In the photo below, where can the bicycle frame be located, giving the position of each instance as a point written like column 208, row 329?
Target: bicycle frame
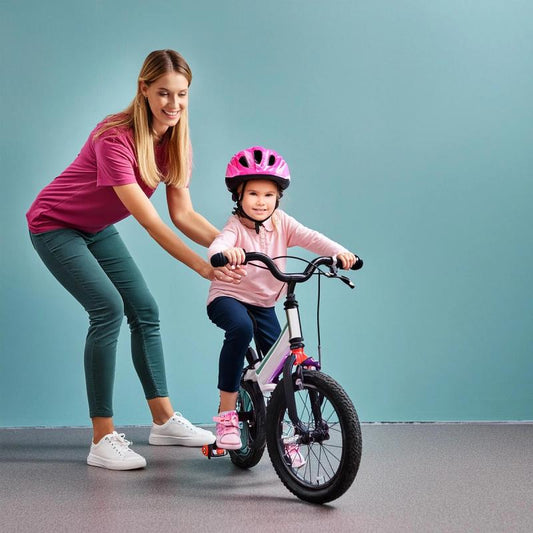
column 266, row 371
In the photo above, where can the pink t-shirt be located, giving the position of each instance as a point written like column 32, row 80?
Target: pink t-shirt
column 260, row 287
column 82, row 197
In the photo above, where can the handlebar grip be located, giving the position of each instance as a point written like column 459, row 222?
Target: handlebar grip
column 219, row 260
column 356, row 266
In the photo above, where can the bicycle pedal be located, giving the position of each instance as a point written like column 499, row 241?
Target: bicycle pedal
column 210, row 450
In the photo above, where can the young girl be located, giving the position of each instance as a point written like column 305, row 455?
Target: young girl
column 256, row 177
column 71, row 227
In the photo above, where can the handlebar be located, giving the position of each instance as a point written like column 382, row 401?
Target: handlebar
column 219, row 260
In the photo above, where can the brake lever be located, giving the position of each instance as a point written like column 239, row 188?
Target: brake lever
column 347, row 280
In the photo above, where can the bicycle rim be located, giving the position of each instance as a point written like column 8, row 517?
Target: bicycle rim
column 330, row 443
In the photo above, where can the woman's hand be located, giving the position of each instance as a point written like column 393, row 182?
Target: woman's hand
column 234, row 270
column 347, row 259
column 228, row 274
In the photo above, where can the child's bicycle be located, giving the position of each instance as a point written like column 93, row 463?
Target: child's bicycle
column 310, row 425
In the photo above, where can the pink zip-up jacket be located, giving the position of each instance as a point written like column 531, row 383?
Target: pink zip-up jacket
column 259, row 287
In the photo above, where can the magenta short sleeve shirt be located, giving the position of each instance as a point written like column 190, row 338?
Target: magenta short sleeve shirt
column 82, row 197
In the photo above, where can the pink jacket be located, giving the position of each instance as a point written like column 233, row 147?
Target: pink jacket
column 259, row 287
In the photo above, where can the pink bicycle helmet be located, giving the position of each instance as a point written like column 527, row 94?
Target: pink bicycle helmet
column 256, row 163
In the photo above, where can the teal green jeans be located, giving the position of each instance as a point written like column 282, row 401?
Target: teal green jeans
column 97, row 269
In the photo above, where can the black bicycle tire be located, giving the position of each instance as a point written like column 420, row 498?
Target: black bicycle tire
column 253, row 432
column 351, row 440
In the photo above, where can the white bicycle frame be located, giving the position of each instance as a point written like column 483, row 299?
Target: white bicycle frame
column 266, row 371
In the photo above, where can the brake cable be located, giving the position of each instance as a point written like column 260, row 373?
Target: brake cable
column 319, row 273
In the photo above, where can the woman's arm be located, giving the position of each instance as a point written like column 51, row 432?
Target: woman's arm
column 186, row 219
column 145, row 213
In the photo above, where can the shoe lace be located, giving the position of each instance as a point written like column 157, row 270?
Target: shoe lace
column 119, row 442
column 227, row 419
column 180, row 419
column 293, row 451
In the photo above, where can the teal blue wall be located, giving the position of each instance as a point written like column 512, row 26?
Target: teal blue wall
column 408, row 126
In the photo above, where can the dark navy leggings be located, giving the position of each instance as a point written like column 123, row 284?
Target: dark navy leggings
column 97, row 269
column 234, row 318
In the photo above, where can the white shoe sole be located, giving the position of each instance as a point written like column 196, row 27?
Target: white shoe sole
column 165, row 440
column 94, row 460
column 229, row 446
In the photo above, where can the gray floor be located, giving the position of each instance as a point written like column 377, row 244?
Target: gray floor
column 413, row 478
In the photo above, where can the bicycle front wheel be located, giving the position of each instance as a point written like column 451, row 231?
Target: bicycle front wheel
column 317, row 459
column 251, row 411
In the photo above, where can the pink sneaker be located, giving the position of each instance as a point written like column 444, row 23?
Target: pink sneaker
column 295, row 456
column 228, row 432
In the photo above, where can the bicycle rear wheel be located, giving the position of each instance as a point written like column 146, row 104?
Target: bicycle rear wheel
column 328, row 439
column 251, row 411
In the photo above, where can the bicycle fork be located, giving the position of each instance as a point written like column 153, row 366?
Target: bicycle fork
column 298, row 357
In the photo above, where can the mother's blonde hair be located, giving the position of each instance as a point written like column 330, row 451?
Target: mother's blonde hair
column 138, row 117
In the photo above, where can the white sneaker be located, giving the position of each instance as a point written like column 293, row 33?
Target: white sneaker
column 113, row 452
column 179, row 431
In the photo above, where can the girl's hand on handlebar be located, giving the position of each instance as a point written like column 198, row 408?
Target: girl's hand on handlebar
column 235, row 257
column 347, row 259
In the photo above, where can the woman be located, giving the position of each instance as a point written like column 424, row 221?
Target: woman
column 71, row 227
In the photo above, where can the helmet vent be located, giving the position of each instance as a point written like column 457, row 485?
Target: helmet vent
column 271, row 160
column 258, row 156
column 243, row 161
